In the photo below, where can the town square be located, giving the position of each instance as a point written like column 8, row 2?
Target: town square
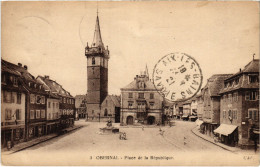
column 131, row 83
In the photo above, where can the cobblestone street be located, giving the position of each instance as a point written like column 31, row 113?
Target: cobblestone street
column 88, row 143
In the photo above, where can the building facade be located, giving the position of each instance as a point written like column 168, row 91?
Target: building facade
column 239, row 112
column 211, row 103
column 140, row 102
column 179, row 110
column 199, row 106
column 66, row 102
column 53, row 117
column 13, row 102
column 194, row 109
column 110, row 109
column 186, row 110
column 81, row 106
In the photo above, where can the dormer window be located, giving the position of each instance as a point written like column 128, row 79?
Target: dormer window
column 93, row 61
column 225, row 85
column 3, row 78
column 236, row 81
column 29, row 84
column 253, row 79
column 141, row 85
column 15, row 82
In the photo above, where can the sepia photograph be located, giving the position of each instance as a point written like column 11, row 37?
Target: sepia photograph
column 134, row 83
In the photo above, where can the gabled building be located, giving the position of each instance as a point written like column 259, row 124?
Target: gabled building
column 186, row 110
column 211, row 102
column 199, row 106
column 179, row 110
column 194, row 109
column 110, row 109
column 141, row 103
column 167, row 110
column 35, row 101
column 81, row 106
column 239, row 112
column 65, row 105
column 13, row 102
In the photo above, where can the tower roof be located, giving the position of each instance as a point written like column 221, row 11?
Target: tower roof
column 97, row 47
column 97, row 40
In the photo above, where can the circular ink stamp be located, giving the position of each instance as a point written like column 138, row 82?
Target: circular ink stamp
column 177, row 77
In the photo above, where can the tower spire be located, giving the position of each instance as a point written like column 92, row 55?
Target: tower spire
column 146, row 71
column 97, row 40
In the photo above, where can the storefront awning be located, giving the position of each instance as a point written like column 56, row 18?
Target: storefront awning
column 225, row 129
column 193, row 117
column 184, row 116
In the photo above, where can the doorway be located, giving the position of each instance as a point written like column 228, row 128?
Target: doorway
column 150, row 120
column 130, row 120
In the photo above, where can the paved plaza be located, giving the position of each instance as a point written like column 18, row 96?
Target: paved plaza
column 88, row 143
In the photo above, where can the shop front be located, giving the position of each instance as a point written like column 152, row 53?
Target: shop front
column 12, row 135
column 227, row 134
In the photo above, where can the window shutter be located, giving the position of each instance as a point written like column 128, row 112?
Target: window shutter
column 247, row 96
column 12, row 96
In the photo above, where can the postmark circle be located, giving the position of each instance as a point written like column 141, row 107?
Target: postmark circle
column 177, row 77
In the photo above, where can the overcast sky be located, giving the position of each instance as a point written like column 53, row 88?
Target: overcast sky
column 50, row 37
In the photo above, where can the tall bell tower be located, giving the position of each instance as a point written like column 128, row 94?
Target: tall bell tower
column 97, row 73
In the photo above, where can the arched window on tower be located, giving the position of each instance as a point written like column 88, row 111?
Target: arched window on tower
column 93, row 60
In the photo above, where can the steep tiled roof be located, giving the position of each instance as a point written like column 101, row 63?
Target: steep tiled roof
column 251, row 68
column 19, row 70
column 81, row 96
column 134, row 85
column 25, row 76
column 115, row 100
column 216, row 83
column 53, row 86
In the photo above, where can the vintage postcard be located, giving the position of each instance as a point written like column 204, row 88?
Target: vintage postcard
column 88, row 83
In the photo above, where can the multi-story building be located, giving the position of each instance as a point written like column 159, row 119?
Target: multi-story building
column 81, row 106
column 199, row 106
column 140, row 102
column 239, row 111
column 35, row 113
column 211, row 102
column 186, row 110
column 53, row 117
column 179, row 110
column 13, row 102
column 194, row 109
column 167, row 110
column 97, row 74
column 66, row 101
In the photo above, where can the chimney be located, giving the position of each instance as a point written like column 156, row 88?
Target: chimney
column 25, row 67
column 46, row 76
column 20, row 64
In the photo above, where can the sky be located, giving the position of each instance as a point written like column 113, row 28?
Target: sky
column 50, row 37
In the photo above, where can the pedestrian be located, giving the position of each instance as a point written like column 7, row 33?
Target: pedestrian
column 255, row 141
column 142, row 127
